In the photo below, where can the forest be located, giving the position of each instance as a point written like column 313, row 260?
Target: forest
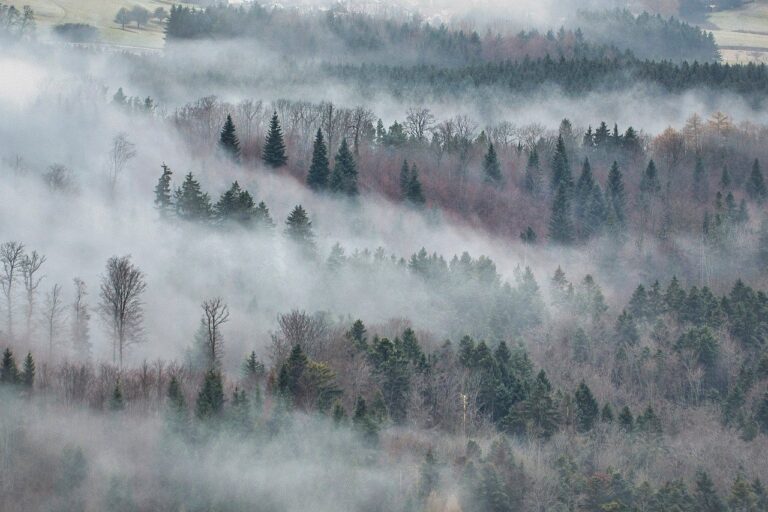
column 334, row 258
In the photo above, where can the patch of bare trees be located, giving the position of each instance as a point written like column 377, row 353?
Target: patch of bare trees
column 121, row 306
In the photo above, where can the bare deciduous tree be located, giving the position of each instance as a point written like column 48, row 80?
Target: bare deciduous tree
column 121, row 152
column 52, row 316
column 30, row 266
column 298, row 328
column 120, row 303
column 81, row 344
column 419, row 122
column 11, row 256
column 215, row 314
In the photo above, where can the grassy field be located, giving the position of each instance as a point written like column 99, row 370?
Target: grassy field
column 101, row 14
column 742, row 33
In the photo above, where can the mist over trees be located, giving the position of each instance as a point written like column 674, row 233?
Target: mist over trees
column 361, row 258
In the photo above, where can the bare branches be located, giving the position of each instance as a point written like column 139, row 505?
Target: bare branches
column 11, row 257
column 52, row 316
column 122, row 151
column 121, row 306
column 215, row 314
column 30, row 265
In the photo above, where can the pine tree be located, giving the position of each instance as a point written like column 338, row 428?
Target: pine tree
column 626, row 421
column 116, row 402
column 163, row 201
column 319, row 169
column 210, row 399
column 725, row 178
column 742, row 498
column 228, row 143
column 405, row 179
column 413, row 192
column 253, row 369
column 560, row 225
column 583, row 198
column 191, row 202
column 178, row 417
column 700, row 188
column 532, row 180
column 761, row 414
column 606, row 416
column 587, row 409
column 299, row 231
column 261, row 217
column 596, row 214
column 705, row 496
column 28, row 373
column 9, row 372
column 364, row 424
column 528, row 236
column 756, row 188
column 274, row 149
column 344, row 176
column 491, row 167
column 561, row 170
column 650, row 185
column 236, row 205
column 616, row 196
column 626, row 329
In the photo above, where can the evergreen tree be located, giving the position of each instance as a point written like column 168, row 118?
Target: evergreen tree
column 528, row 236
column 725, row 178
column 626, row 329
column 606, row 415
column 236, row 205
column 319, row 169
column 587, row 410
column 210, row 399
column 561, row 170
column 116, row 401
column 648, row 422
column 560, row 225
column 705, row 496
column 178, row 417
column 415, row 195
column 616, row 196
column 626, row 421
column 253, row 369
column 756, row 188
column 163, row 201
column 532, row 179
column 650, row 185
column 261, row 217
column 273, row 154
column 364, row 424
column 540, row 410
column 583, row 198
column 761, row 415
column 405, row 179
column 596, row 214
column 742, row 498
column 491, row 167
column 9, row 372
column 700, row 188
column 228, row 143
column 191, row 202
column 28, row 373
column 299, row 231
column 344, row 176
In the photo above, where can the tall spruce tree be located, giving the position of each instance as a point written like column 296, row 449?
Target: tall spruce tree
column 561, row 169
column 191, row 202
column 532, row 179
column 299, row 230
column 491, row 167
column 582, row 199
column 587, row 410
column 756, row 188
column 228, row 143
column 28, row 372
column 616, row 196
column 344, row 176
column 163, row 201
column 700, row 181
column 319, row 169
column 9, row 371
column 210, row 399
column 273, row 154
column 405, row 178
column 415, row 193
column 560, row 225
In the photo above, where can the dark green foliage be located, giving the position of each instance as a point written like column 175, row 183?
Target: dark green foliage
column 163, row 201
column 742, row 497
column 364, row 423
column 191, row 202
column 357, row 335
column 240, row 418
column 583, row 198
column 28, row 373
column 650, row 186
column 581, row 348
column 177, row 416
column 228, row 143
column 338, row 414
column 344, row 176
column 626, row 329
column 273, row 153
column 116, row 401
column 319, row 169
column 705, row 496
column 290, row 384
column 756, row 189
column 540, row 410
column 236, row 206
column 253, row 369
column 210, row 399
column 491, row 167
column 528, row 236
column 761, row 414
column 9, row 372
column 648, row 422
column 626, row 420
column 587, row 410
column 725, row 178
column 561, row 229
column 561, row 169
column 616, row 197
column 532, row 180
column 299, row 231
column 390, row 364
column 606, row 415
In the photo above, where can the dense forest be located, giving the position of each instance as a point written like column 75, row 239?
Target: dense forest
column 328, row 259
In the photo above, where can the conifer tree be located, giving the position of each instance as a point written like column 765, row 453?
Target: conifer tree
column 582, row 198
column 178, row 417
column 364, row 424
column 236, row 205
column 626, row 421
column 725, row 178
column 650, row 185
column 210, row 399
column 561, row 170
column 299, row 230
column 700, row 188
column 587, row 410
column 596, row 215
column 273, row 154
column 626, row 329
column 705, row 496
column 9, row 372
column 163, row 201
column 228, row 143
column 28, row 373
column 532, row 180
column 756, row 188
column 262, row 218
column 560, row 225
column 742, row 498
column 344, row 176
column 616, row 196
column 606, row 416
column 405, row 180
column 413, row 191
column 191, row 202
column 319, row 169
column 491, row 167
column 116, row 402
column 528, row 236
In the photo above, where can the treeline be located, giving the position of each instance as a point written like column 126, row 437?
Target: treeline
column 15, row 23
